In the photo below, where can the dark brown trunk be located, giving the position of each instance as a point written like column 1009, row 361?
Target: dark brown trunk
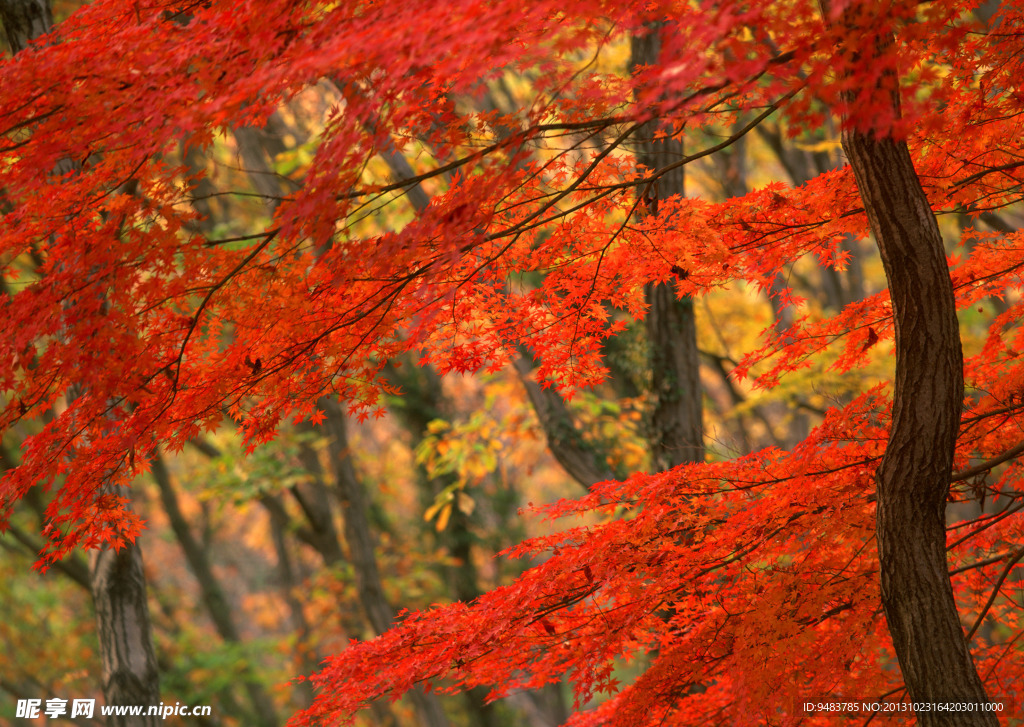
column 579, row 458
column 676, row 430
column 913, row 479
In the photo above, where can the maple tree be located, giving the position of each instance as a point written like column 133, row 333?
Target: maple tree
column 531, row 229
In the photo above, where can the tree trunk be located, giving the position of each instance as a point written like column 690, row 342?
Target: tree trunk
column 913, row 479
column 130, row 674
column 676, row 431
column 116, row 578
column 362, row 555
column 423, row 401
column 579, row 458
column 213, row 596
column 25, row 20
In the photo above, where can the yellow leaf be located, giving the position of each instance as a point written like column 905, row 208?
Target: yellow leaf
column 443, row 500
column 446, row 513
column 820, row 146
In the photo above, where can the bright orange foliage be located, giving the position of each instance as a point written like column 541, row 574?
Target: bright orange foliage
column 753, row 580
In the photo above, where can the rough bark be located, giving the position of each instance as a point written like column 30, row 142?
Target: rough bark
column 116, row 578
column 676, row 430
column 130, row 674
column 24, row 20
column 913, row 478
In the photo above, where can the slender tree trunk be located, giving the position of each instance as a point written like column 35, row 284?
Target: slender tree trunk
column 423, row 401
column 358, row 534
column 214, row 598
column 913, row 479
column 116, row 578
column 362, row 555
column 676, row 430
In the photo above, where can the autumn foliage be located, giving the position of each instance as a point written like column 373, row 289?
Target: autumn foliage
column 745, row 587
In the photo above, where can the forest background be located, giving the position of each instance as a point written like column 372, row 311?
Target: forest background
column 286, row 513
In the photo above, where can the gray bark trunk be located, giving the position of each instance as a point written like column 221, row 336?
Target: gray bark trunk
column 116, row 578
column 213, row 595
column 913, row 479
column 24, row 20
column 130, row 673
